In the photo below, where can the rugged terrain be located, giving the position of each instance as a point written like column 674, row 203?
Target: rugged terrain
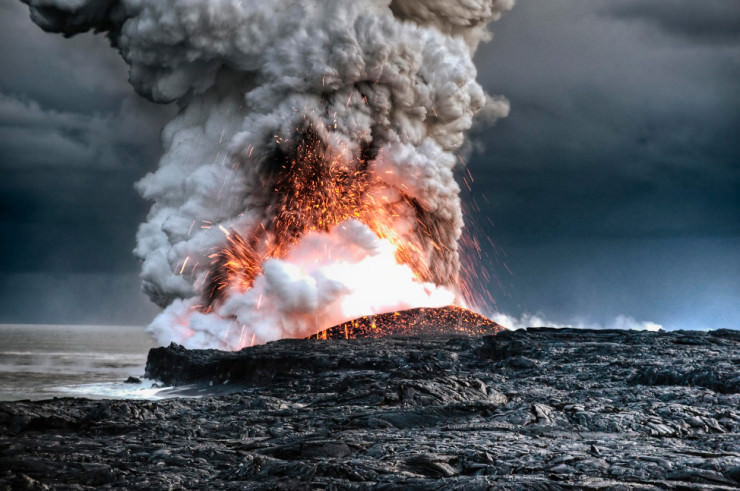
column 534, row 409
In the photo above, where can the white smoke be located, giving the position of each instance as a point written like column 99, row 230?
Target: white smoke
column 392, row 82
column 524, row 321
column 288, row 300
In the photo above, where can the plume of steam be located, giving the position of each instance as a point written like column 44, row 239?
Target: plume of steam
column 622, row 321
column 383, row 90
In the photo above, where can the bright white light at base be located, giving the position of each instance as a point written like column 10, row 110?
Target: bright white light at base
column 328, row 278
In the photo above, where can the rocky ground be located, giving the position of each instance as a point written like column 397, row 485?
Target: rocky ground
column 535, row 409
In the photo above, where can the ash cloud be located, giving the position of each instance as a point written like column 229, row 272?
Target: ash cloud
column 388, row 87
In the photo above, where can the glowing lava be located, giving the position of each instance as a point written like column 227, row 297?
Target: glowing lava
column 315, row 190
column 340, row 245
column 414, row 322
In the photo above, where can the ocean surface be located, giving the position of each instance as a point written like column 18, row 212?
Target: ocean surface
column 45, row 361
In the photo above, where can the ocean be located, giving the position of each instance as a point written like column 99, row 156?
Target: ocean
column 45, row 361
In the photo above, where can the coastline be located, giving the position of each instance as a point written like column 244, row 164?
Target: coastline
column 537, row 408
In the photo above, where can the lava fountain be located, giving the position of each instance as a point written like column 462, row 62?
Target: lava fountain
column 308, row 178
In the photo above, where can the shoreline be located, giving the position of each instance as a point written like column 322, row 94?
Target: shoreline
column 537, row 408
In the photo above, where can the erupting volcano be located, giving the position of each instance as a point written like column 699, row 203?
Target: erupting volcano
column 414, row 322
column 308, row 178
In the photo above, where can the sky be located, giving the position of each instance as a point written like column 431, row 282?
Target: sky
column 612, row 189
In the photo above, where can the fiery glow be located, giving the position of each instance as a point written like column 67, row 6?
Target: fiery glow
column 415, row 322
column 309, row 171
column 340, row 244
column 315, row 190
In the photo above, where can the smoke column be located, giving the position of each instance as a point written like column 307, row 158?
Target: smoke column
column 308, row 177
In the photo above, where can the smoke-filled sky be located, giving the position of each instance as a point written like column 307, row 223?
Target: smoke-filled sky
column 613, row 187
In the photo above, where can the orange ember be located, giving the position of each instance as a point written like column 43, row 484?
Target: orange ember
column 414, row 322
column 237, row 262
column 314, row 189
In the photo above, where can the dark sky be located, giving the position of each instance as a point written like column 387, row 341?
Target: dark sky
column 613, row 187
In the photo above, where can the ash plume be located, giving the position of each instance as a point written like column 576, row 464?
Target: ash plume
column 308, row 176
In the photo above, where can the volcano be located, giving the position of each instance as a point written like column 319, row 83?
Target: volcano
column 413, row 322
column 309, row 178
column 176, row 365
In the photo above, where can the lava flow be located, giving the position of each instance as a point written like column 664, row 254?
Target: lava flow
column 414, row 322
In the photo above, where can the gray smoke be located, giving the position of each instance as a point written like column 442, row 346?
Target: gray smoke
column 388, row 87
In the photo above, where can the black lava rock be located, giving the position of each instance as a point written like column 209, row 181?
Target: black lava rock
column 535, row 409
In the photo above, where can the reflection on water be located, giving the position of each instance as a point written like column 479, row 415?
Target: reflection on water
column 43, row 361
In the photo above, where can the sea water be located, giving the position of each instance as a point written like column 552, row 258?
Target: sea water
column 44, row 361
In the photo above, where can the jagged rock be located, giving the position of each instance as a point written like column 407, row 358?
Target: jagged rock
column 534, row 409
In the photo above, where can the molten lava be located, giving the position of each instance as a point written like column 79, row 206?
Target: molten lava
column 414, row 322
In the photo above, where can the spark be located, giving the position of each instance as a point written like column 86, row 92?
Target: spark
column 374, row 326
column 184, row 264
column 315, row 189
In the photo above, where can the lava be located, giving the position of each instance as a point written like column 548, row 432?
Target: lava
column 414, row 322
column 314, row 189
column 317, row 193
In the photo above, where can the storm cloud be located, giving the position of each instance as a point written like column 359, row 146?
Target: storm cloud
column 711, row 21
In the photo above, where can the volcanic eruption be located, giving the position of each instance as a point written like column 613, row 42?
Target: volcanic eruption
column 308, row 177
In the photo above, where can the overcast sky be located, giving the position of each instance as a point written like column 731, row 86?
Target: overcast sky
column 613, row 188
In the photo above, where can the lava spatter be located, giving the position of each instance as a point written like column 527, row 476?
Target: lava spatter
column 414, row 322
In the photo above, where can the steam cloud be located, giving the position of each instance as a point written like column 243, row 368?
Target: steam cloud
column 535, row 320
column 376, row 92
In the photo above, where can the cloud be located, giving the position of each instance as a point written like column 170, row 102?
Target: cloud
column 708, row 21
column 31, row 135
column 91, row 298
column 612, row 133
column 620, row 127
column 73, row 110
column 81, row 74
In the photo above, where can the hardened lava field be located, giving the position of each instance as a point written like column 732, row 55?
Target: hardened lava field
column 546, row 409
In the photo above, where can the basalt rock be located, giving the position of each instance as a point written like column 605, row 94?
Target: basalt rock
column 267, row 364
column 534, row 409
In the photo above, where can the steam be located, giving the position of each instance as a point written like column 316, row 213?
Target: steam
column 385, row 91
column 624, row 322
